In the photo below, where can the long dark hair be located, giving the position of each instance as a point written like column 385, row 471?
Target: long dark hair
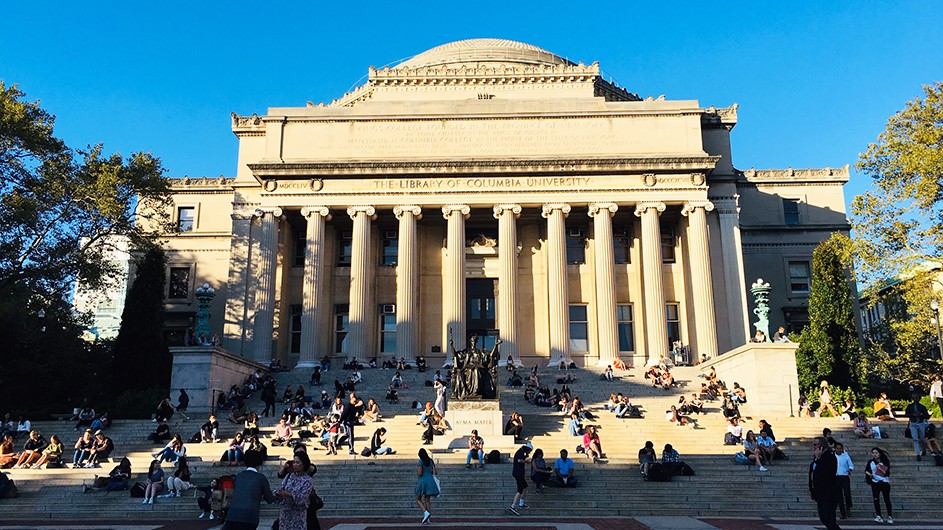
column 182, row 464
column 882, row 456
column 538, row 454
column 305, row 461
column 424, row 456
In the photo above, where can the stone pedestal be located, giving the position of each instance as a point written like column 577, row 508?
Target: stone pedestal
column 206, row 371
column 767, row 371
column 483, row 415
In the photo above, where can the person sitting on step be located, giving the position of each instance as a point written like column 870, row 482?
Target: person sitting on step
column 209, row 430
column 101, row 449
column 476, row 449
column 172, row 451
column 646, row 457
column 52, row 454
column 563, row 470
column 378, row 443
column 83, row 448
column 592, row 446
column 753, row 452
column 514, row 426
column 574, row 427
column 392, row 395
column 371, row 412
column 283, row 432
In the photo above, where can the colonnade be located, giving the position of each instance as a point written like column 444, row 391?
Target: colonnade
column 454, row 296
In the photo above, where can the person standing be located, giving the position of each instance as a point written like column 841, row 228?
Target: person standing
column 823, row 482
column 919, row 418
column 427, row 486
column 825, row 400
column 440, row 404
column 251, row 488
column 183, row 403
column 878, row 475
column 517, row 471
column 936, row 392
column 845, row 467
column 295, row 493
column 348, row 418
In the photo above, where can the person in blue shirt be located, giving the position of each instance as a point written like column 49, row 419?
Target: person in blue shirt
column 574, row 427
column 563, row 470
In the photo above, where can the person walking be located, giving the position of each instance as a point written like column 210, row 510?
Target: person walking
column 845, row 467
column 517, row 471
column 936, row 392
column 295, row 493
column 440, row 404
column 183, row 403
column 919, row 418
column 427, row 486
column 251, row 488
column 878, row 475
column 823, row 482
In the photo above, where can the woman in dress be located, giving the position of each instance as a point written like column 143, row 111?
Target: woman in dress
column 426, row 487
column 295, row 494
column 439, row 397
column 825, row 400
column 878, row 475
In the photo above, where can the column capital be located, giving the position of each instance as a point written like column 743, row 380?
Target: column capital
column 500, row 209
column 689, row 207
column 309, row 211
column 369, row 211
column 448, row 209
column 599, row 207
column 548, row 209
column 640, row 208
column 726, row 205
column 400, row 211
column 275, row 211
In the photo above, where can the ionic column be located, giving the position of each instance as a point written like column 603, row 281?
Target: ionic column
column 359, row 269
column 607, row 323
column 265, row 297
column 453, row 285
column 734, row 284
column 507, row 215
column 655, row 319
column 556, row 277
column 705, row 324
column 407, row 282
column 311, row 309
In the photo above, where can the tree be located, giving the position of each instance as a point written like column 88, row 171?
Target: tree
column 829, row 348
column 59, row 205
column 899, row 223
column 142, row 359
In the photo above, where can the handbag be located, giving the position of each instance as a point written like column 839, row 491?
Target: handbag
column 438, row 484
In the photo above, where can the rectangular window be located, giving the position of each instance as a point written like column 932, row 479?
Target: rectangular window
column 294, row 329
column 344, row 249
column 791, row 211
column 800, row 277
column 298, row 249
column 179, row 285
column 387, row 328
column 575, row 246
column 625, row 329
column 186, row 218
column 341, row 328
column 389, row 255
column 667, row 244
column 579, row 329
column 673, row 319
column 622, row 247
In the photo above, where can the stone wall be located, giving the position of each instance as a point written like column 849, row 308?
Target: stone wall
column 767, row 371
column 206, row 371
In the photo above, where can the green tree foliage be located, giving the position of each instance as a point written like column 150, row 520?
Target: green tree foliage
column 142, row 359
column 59, row 205
column 829, row 348
column 899, row 223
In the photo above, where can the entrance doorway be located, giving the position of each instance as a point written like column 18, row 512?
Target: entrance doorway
column 481, row 311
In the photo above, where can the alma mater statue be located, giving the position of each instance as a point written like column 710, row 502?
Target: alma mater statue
column 475, row 371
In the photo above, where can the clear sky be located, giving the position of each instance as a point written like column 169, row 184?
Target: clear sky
column 815, row 81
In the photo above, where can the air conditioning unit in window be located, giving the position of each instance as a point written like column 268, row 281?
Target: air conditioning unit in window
column 388, row 309
column 390, row 234
column 576, row 232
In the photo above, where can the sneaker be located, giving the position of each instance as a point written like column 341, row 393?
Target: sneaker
column 481, row 466
column 86, row 489
column 890, row 520
column 513, row 510
column 144, row 501
column 877, row 519
column 763, row 468
column 202, row 516
column 425, row 517
column 919, row 458
column 522, row 505
column 212, row 516
column 467, row 466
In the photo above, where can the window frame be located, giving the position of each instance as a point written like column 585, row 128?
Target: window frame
column 673, row 323
column 797, row 215
column 808, row 266
column 622, row 240
column 342, row 237
column 295, row 324
column 168, row 275
column 384, row 316
column 194, row 222
column 393, row 247
column 668, row 235
column 584, row 324
column 341, row 332
column 573, row 247
column 628, row 324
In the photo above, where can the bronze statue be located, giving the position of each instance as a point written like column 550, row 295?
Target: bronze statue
column 475, row 371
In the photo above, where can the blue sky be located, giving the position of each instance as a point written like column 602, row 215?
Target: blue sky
column 815, row 81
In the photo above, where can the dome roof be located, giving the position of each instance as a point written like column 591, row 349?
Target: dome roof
column 484, row 51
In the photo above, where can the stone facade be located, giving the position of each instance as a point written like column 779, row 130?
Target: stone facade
column 492, row 187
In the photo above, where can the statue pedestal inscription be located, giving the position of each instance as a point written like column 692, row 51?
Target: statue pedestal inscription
column 482, row 415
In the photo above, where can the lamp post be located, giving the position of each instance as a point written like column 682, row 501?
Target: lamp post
column 935, row 307
column 41, row 315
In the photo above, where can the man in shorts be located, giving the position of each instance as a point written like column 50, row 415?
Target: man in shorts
column 517, row 471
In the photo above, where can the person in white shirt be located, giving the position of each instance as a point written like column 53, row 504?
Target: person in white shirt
column 735, row 430
column 845, row 467
column 936, row 392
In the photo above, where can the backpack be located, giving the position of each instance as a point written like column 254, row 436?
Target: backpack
column 138, row 489
column 741, row 458
column 7, row 487
column 730, row 439
column 686, row 470
column 366, row 452
column 580, row 449
column 658, row 473
column 494, row 457
column 196, row 438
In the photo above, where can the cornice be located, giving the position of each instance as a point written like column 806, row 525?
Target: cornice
column 266, row 171
column 788, row 176
column 724, row 118
column 827, row 227
column 204, row 184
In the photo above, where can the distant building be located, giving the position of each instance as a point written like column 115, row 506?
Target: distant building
column 880, row 305
column 106, row 306
column 490, row 187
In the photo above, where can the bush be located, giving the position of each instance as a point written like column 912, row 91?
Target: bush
column 137, row 404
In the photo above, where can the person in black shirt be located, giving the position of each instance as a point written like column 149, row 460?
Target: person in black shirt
column 183, row 402
column 517, row 471
column 209, row 430
column 919, row 417
column 823, row 484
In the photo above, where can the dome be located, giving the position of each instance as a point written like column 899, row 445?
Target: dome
column 484, row 51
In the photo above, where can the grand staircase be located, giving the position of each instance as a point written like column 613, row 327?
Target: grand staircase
column 383, row 486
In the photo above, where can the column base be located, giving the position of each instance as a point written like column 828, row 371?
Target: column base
column 556, row 363
column 307, row 364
